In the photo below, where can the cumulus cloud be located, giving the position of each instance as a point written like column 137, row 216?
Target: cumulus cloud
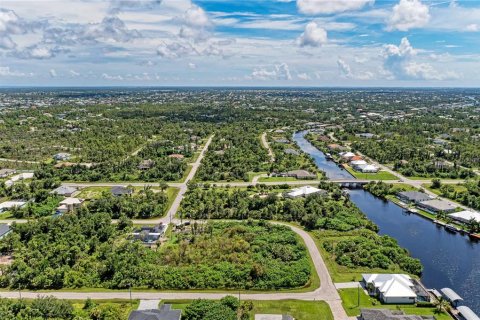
column 7, row 72
column 196, row 24
column 408, row 14
column 73, row 73
column 175, row 50
column 278, row 72
column 346, row 72
column 52, row 73
column 313, row 36
column 9, row 24
column 398, row 63
column 39, row 51
column 313, row 7
column 192, row 65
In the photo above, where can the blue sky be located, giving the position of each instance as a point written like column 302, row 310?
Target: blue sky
column 240, row 43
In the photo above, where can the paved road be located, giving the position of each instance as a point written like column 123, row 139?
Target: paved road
column 19, row 161
column 327, row 291
column 267, row 146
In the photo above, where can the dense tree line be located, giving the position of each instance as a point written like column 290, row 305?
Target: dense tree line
column 332, row 212
column 86, row 250
column 365, row 248
column 228, row 308
column 144, row 204
column 234, row 151
column 469, row 197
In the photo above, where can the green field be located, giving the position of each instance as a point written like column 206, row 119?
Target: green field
column 300, row 310
column 380, row 175
column 350, row 301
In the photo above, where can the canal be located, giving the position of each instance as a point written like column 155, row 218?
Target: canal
column 449, row 259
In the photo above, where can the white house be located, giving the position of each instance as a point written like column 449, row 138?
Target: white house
column 391, row 288
column 370, row 168
column 347, row 156
column 69, row 204
column 465, row 216
column 303, row 192
column 21, row 176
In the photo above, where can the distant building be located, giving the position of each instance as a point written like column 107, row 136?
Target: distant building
column 65, row 191
column 413, row 196
column 164, row 313
column 4, row 230
column 62, row 156
column 281, row 140
column 366, row 135
column 304, row 191
column 7, row 172
column 8, row 205
column 176, row 156
column 301, row 174
column 149, row 235
column 291, row 151
column 146, row 164
column 120, row 191
column 69, row 205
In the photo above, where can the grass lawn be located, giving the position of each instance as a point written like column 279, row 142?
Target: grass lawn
column 185, row 174
column 380, row 175
column 126, row 306
column 351, row 306
column 276, row 179
column 300, row 310
column 456, row 187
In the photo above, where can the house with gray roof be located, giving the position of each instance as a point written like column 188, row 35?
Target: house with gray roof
column 65, row 191
column 413, row 196
column 4, row 230
column 437, row 206
column 120, row 191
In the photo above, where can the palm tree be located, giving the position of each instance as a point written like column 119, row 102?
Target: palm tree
column 442, row 305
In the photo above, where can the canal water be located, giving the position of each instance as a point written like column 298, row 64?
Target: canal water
column 449, row 259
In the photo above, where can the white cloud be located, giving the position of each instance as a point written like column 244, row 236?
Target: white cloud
column 106, row 76
column 399, row 64
column 73, row 73
column 38, row 51
column 303, row 76
column 175, row 50
column 52, row 73
column 313, row 36
column 346, row 72
column 196, row 24
column 408, row 14
column 278, row 72
column 7, row 72
column 117, row 6
column 313, row 7
column 9, row 24
column 192, row 65
column 472, row 27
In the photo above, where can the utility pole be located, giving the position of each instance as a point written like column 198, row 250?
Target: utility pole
column 130, row 291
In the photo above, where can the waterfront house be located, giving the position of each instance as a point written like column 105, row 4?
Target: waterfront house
column 304, row 191
column 390, row 288
column 65, row 191
column 437, row 206
column 120, row 191
column 465, row 216
column 301, row 174
column 165, row 312
column 413, row 196
column 369, row 168
column 347, row 156
column 388, row 314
